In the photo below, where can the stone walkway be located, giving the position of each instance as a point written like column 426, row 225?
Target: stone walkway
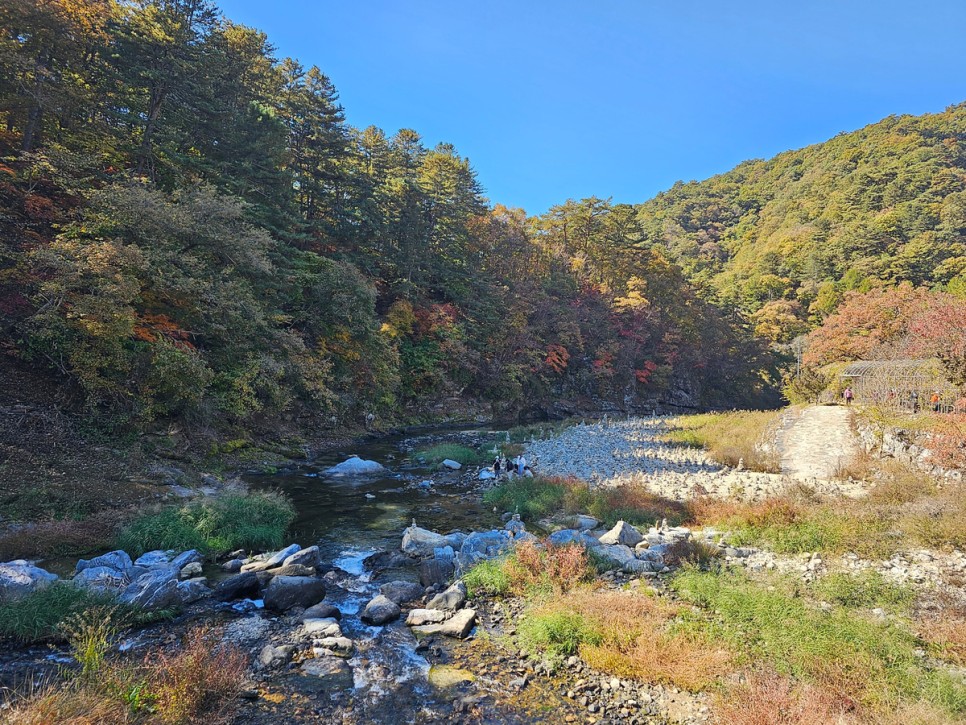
column 818, row 442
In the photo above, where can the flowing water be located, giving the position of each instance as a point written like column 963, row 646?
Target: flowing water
column 352, row 517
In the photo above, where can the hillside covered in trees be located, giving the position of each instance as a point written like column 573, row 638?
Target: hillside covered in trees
column 192, row 231
column 783, row 240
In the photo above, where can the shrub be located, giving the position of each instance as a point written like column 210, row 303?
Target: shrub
column 91, row 633
column 770, row 699
column 530, row 569
column 256, row 520
column 487, row 577
column 556, row 632
column 530, row 497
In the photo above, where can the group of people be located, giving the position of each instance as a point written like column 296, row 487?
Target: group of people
column 518, row 466
column 912, row 399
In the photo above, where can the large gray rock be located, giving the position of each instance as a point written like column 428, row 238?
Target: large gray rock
column 321, row 611
column 401, row 592
column 158, row 589
column 192, row 556
column 339, row 646
column 455, row 539
column 101, row 578
column 356, row 466
column 484, row 545
column 583, row 522
column 571, row 536
column 291, row 570
column 451, row 464
column 622, row 533
column 616, row 556
column 272, row 656
column 324, row 627
column 435, row 571
column 238, row 586
column 308, row 557
column 450, row 600
column 380, row 610
column 191, row 590
column 421, row 542
column 419, row 617
column 118, row 560
column 272, row 561
column 459, row 625
column 191, row 571
column 158, row 557
column 285, row 592
column 19, row 578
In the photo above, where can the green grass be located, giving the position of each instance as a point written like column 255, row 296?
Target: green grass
column 256, row 521
column 557, row 633
column 866, row 589
column 535, row 498
column 842, row 648
column 454, row 451
column 488, row 577
column 38, row 616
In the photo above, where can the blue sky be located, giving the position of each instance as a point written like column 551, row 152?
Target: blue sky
column 556, row 99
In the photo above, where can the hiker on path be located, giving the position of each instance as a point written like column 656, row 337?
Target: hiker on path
column 848, row 395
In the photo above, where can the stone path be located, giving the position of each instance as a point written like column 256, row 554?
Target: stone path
column 818, row 442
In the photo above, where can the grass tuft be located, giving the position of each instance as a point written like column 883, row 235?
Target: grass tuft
column 256, row 520
column 454, row 451
column 38, row 616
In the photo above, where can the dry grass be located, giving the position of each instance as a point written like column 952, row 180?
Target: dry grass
column 51, row 537
column 769, row 699
column 560, row 568
column 631, row 635
column 197, row 682
column 730, row 438
column 946, row 636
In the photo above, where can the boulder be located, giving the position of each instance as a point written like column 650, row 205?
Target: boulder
column 616, row 556
column 321, row 611
column 450, row 600
column 323, row 627
column 339, row 646
column 419, row 617
column 292, row 570
column 272, row 656
column 285, row 592
column 484, row 545
column 487, row 474
column 191, row 570
column 191, row 556
column 583, row 522
column 647, row 554
column 356, row 466
column 521, row 536
column 308, row 557
column 572, row 536
column 101, row 578
column 380, row 610
column 455, row 539
column 151, row 559
column 459, row 625
column 19, row 578
column 515, row 525
column 622, row 533
column 332, row 671
column 118, row 560
column 238, row 586
column 436, row 571
column 421, row 542
column 191, row 590
column 234, row 566
column 400, row 592
column 272, row 561
column 451, row 464
column 386, row 560
column 158, row 589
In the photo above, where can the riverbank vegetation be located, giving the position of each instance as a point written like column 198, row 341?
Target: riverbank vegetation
column 254, row 521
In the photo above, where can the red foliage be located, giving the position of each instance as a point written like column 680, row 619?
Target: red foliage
column 557, row 358
column 150, row 327
column 644, row 373
column 39, row 208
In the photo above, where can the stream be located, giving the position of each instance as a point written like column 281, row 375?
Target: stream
column 351, row 518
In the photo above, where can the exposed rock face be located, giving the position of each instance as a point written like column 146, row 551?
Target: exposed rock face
column 451, row 599
column 19, row 578
column 459, row 625
column 421, row 542
column 117, row 560
column 380, row 610
column 285, row 592
column 235, row 587
column 624, row 534
column 356, row 466
column 400, row 592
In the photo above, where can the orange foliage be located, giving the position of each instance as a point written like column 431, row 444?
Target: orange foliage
column 557, row 358
column 769, row 699
column 149, row 328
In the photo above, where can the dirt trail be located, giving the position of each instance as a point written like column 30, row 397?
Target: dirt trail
column 817, row 442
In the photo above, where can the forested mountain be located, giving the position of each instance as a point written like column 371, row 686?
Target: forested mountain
column 782, row 240
column 191, row 231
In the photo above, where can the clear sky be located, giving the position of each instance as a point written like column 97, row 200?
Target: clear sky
column 558, row 99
